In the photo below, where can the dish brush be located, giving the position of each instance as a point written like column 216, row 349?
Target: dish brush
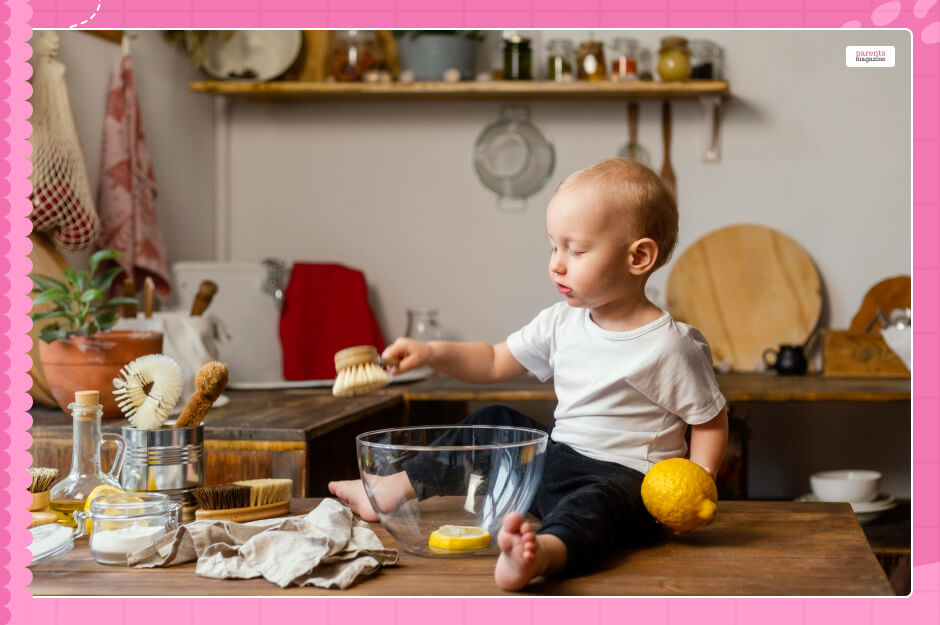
column 210, row 382
column 148, row 410
column 42, row 480
column 359, row 370
column 245, row 500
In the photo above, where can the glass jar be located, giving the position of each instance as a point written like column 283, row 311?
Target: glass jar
column 706, row 57
column 423, row 326
column 69, row 494
column 353, row 55
column 623, row 65
column 121, row 523
column 674, row 62
column 560, row 60
column 591, row 63
column 644, row 64
column 517, row 58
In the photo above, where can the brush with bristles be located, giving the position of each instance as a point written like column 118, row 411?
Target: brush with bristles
column 42, row 481
column 359, row 370
column 148, row 410
column 245, row 500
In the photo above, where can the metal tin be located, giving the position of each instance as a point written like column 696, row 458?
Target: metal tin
column 168, row 460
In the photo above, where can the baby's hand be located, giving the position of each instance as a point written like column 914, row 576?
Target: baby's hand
column 409, row 353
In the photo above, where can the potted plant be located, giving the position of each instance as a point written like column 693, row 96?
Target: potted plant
column 429, row 53
column 78, row 350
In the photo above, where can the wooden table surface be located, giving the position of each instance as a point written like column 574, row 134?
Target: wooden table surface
column 752, row 548
column 737, row 387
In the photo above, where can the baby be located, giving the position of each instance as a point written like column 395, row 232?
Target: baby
column 628, row 377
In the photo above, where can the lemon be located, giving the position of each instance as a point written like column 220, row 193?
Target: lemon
column 679, row 494
column 98, row 491
column 459, row 538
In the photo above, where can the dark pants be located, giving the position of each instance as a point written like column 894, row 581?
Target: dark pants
column 593, row 506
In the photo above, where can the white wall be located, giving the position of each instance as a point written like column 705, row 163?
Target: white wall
column 809, row 147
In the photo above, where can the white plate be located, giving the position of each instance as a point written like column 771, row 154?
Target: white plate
column 252, row 55
column 409, row 376
column 880, row 504
column 49, row 541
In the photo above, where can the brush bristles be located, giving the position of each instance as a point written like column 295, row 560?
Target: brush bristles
column 222, row 496
column 42, row 479
column 358, row 379
column 267, row 491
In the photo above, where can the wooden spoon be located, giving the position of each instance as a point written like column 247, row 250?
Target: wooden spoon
column 667, row 173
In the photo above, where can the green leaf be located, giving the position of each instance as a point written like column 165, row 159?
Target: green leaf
column 43, row 283
column 52, row 333
column 103, row 281
column 50, row 296
column 91, row 295
column 71, row 276
column 119, row 301
column 49, row 314
column 106, row 320
column 101, row 255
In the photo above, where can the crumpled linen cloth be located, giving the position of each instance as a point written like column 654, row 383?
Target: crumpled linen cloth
column 327, row 548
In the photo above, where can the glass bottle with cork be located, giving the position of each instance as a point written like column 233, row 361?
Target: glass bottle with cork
column 674, row 63
column 560, row 60
column 591, row 63
column 623, row 65
column 517, row 58
column 70, row 493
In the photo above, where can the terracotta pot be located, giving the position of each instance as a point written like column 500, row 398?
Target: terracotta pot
column 91, row 363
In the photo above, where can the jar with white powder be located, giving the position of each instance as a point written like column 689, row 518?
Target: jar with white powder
column 121, row 523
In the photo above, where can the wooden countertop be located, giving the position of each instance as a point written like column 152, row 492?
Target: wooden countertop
column 752, row 548
column 737, row 387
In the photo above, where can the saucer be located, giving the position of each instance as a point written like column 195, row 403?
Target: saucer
column 881, row 503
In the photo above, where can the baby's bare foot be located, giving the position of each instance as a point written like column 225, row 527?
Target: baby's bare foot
column 353, row 494
column 518, row 559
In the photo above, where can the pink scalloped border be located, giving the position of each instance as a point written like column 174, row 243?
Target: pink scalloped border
column 921, row 17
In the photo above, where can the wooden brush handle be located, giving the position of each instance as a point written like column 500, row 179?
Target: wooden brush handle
column 149, row 289
column 43, row 518
column 40, row 501
column 129, row 311
column 241, row 515
column 207, row 290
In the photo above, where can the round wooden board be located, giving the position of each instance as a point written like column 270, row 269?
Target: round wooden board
column 746, row 288
column 48, row 261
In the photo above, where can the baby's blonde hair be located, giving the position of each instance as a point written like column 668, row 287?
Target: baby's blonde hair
column 639, row 196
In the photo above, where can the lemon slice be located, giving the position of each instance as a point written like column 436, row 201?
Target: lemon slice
column 459, row 538
column 98, row 491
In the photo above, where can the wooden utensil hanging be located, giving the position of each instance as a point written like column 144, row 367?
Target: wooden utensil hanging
column 667, row 173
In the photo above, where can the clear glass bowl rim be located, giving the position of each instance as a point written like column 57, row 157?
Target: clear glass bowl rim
column 540, row 436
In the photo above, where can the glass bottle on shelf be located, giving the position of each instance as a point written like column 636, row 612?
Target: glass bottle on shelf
column 623, row 65
column 517, row 58
column 353, row 55
column 591, row 63
column 69, row 494
column 706, row 57
column 560, row 60
column 674, row 62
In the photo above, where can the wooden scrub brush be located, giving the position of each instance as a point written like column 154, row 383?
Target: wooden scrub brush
column 211, row 380
column 42, row 481
column 148, row 410
column 359, row 370
column 245, row 500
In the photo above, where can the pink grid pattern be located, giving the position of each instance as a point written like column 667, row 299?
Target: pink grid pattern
column 922, row 17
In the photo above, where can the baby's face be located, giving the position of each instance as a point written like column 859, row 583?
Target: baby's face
column 589, row 260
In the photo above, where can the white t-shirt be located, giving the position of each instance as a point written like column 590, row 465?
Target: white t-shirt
column 623, row 397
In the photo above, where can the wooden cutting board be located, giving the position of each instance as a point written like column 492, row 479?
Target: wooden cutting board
column 746, row 288
column 887, row 295
column 48, row 261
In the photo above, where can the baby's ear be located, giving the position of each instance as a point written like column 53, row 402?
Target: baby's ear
column 642, row 256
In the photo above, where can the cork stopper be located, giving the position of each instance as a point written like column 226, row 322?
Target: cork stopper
column 86, row 398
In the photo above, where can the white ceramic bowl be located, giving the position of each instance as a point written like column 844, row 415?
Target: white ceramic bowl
column 851, row 485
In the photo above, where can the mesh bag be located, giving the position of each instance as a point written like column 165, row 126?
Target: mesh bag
column 61, row 197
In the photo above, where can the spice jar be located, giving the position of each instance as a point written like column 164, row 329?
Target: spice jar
column 517, row 58
column 122, row 523
column 674, row 62
column 591, row 64
column 560, row 60
column 623, row 65
column 706, row 57
column 353, row 55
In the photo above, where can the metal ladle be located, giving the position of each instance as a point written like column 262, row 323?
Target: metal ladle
column 633, row 150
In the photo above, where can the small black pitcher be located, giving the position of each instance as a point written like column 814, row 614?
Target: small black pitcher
column 788, row 360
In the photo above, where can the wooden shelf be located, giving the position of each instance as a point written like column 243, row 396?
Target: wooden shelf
column 469, row 90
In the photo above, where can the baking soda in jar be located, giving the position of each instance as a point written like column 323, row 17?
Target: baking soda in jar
column 112, row 546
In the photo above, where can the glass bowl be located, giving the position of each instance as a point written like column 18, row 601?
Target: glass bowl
column 419, row 479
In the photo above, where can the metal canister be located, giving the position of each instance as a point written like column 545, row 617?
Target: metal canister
column 168, row 460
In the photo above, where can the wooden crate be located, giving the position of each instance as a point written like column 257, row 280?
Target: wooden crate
column 860, row 355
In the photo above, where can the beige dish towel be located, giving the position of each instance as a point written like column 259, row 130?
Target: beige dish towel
column 325, row 548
